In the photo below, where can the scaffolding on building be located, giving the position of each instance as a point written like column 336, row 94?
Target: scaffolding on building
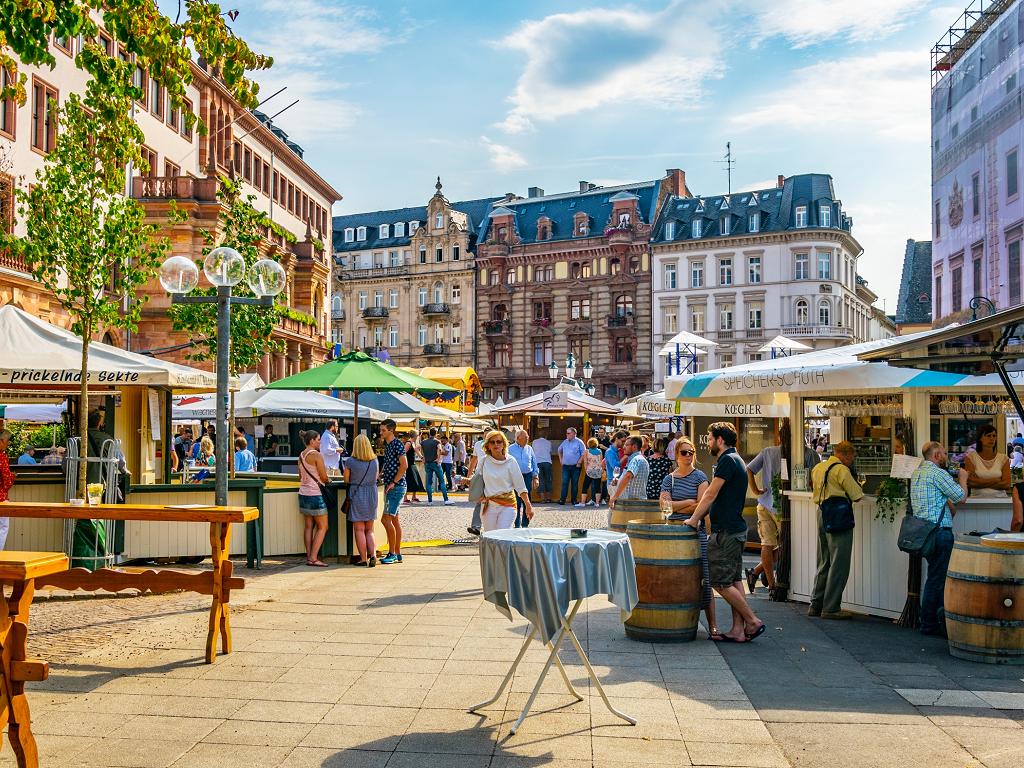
column 976, row 19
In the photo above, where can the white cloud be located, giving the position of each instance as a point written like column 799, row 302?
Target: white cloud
column 503, row 158
column 806, row 23
column 886, row 94
column 598, row 58
column 322, row 111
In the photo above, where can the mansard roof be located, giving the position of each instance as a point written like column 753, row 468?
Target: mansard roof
column 914, row 304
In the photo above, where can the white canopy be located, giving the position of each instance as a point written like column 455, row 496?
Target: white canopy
column 37, row 355
column 654, row 406
column 402, row 405
column 685, row 337
column 567, row 399
column 781, row 342
column 37, row 413
column 276, row 402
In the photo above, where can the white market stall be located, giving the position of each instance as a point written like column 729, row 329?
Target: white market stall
column 255, row 403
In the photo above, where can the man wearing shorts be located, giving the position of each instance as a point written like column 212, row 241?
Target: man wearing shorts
column 392, row 471
column 724, row 500
column 769, row 464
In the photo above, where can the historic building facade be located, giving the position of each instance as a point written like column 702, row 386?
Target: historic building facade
column 569, row 274
column 740, row 269
column 183, row 166
column 403, row 282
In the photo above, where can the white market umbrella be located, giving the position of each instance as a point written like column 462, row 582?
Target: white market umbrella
column 782, row 343
column 277, row 402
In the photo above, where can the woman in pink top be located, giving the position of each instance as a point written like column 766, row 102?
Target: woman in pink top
column 312, row 472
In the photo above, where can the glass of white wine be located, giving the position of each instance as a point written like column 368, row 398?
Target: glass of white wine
column 666, row 508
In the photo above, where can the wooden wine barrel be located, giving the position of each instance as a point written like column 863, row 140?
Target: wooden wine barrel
column 984, row 600
column 625, row 510
column 668, row 574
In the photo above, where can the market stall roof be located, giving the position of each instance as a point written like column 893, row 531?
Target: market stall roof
column 654, row 406
column 35, row 354
column 402, row 405
column 268, row 402
column 574, row 401
column 835, row 371
column 462, row 378
column 685, row 337
column 37, row 413
column 781, row 342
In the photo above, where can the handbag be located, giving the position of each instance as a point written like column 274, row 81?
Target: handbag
column 917, row 536
column 476, row 484
column 836, row 511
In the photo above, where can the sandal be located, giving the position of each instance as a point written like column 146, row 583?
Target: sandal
column 757, row 632
column 317, row 563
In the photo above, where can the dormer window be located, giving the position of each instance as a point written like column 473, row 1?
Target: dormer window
column 413, row 226
column 801, row 216
column 350, row 234
column 825, row 215
column 624, row 219
column 581, row 225
column 723, row 225
column 543, row 228
column 384, row 231
column 695, row 228
column 400, row 229
column 439, row 221
column 754, row 221
column 502, row 234
column 361, row 233
column 670, row 230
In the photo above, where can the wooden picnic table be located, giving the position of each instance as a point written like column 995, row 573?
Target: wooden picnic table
column 21, row 570
column 218, row 583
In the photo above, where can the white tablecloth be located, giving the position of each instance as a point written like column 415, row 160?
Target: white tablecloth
column 541, row 571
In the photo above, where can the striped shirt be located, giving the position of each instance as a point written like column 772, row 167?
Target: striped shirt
column 930, row 487
column 683, row 488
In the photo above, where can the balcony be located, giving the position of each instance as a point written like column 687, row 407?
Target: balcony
column 497, row 327
column 436, row 309
column 620, row 322
column 371, row 272
column 337, row 314
column 755, row 333
column 12, row 262
column 725, row 335
column 174, row 188
column 818, row 331
column 433, row 350
column 375, row 313
column 620, row 238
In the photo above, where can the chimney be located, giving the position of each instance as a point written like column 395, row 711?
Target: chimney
column 585, row 186
column 676, row 180
column 535, row 192
column 781, row 181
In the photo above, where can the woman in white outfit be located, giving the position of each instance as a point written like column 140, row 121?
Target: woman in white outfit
column 503, row 480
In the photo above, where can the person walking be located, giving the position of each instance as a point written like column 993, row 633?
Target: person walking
column 832, row 477
column 474, row 467
column 769, row 464
column 330, row 449
column 593, row 473
column 430, row 449
column 934, row 495
column 633, row 483
column 361, row 472
column 245, row 461
column 724, row 499
column 6, row 481
column 570, row 453
column 446, row 458
column 661, row 464
column 503, row 484
column 521, row 451
column 312, row 474
column 684, row 487
column 545, row 479
column 460, row 455
column 613, row 459
column 393, row 472
column 414, row 484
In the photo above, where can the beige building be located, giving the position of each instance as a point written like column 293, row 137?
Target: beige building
column 403, row 282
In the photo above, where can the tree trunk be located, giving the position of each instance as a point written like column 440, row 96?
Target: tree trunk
column 83, row 413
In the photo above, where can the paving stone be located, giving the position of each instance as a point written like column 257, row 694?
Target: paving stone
column 162, row 727
column 282, row 711
column 995, row 747
column 420, row 760
column 345, row 713
column 360, row 737
column 61, row 723
column 131, row 753
column 204, row 755
column 942, row 698
column 732, row 754
column 317, row 757
column 257, row 734
column 1002, row 700
column 639, row 751
column 724, row 731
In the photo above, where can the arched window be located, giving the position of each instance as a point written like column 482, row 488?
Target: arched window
column 499, row 312
column 634, row 264
column 623, row 305
column 574, row 270
column 614, row 267
column 802, row 312
column 438, row 293
column 824, row 313
column 336, row 303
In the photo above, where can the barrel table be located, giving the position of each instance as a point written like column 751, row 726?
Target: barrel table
column 624, row 511
column 984, row 599
column 668, row 582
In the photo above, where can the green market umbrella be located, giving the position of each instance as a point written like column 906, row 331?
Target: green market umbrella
column 358, row 372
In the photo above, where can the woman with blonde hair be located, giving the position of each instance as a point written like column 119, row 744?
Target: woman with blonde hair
column 503, row 481
column 683, row 487
column 361, row 471
column 206, row 455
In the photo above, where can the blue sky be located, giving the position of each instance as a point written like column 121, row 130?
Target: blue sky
column 498, row 97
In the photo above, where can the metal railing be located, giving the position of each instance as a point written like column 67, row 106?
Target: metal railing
column 435, row 309
column 435, row 349
column 94, row 535
column 823, row 331
column 378, row 313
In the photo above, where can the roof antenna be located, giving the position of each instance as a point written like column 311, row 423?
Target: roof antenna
column 729, row 163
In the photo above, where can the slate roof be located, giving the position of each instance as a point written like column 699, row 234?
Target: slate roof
column 914, row 304
column 278, row 132
column 562, row 209
column 776, row 208
column 475, row 210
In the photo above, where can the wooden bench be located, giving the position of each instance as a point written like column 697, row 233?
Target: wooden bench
column 219, row 582
column 21, row 570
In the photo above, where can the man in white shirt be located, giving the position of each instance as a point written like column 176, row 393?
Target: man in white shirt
column 542, row 451
column 330, row 448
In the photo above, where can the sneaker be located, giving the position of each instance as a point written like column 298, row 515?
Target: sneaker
column 449, row 503
column 398, row 558
column 388, row 559
column 581, row 504
column 474, row 531
column 591, row 503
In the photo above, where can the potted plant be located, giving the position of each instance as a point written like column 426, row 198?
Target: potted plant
column 890, row 498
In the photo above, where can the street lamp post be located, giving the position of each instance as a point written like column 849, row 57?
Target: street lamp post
column 224, row 267
column 583, row 383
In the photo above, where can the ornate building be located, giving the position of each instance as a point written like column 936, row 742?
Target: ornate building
column 569, row 274
column 404, row 282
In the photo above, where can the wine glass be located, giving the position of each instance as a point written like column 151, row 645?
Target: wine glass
column 666, row 508
column 861, row 478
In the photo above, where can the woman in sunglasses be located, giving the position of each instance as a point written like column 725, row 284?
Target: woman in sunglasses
column 503, row 481
column 683, row 487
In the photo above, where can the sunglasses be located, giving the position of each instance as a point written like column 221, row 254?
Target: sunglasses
column 686, row 453
column 495, row 442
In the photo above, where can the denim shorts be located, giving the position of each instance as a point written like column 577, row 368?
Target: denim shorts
column 393, row 498
column 312, row 505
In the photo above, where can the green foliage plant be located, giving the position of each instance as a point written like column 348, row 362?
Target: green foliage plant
column 890, row 499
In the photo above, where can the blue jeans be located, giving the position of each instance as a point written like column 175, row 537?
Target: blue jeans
column 432, row 470
column 570, row 479
column 522, row 521
column 932, row 597
column 545, row 483
column 393, row 498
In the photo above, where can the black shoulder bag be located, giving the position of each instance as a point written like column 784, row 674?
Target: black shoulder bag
column 836, row 511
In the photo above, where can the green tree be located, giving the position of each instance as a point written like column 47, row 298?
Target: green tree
column 85, row 242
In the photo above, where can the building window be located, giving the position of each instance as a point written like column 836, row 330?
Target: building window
column 634, row 265
column 754, row 269
column 801, row 216
column 824, row 313
column 400, row 229
column 393, row 298
column 439, row 333
column 586, row 270
column 697, row 320
column 362, row 300
column 623, row 350
column 150, row 159
column 1011, row 174
column 725, row 271
column 614, row 267
column 976, row 285
column 579, row 309
column 501, row 356
column 723, row 225
column 754, row 318
column 156, row 99
column 803, row 312
column 671, row 315
column 1013, row 251
column 937, row 297
column 421, row 335
column 754, row 357
column 543, row 353
column 754, row 222
column 697, row 274
column 350, row 235
column 456, row 253
column 825, row 214
column 186, row 125
column 438, row 293
column 439, row 221
column 800, row 271
column 384, row 231
column 171, row 170
column 824, row 265
column 975, row 196
column 579, row 346
column 456, row 334
column 725, row 360
column 670, row 277
column 413, row 226
column 456, row 293
column 393, row 336
column 141, row 82
column 695, row 228
column 45, row 99
column 378, row 298
column 623, row 305
column 378, row 338
column 956, row 285
column 542, row 311
column 438, row 255
column 361, row 234
column 510, row 277
column 8, row 106
column 544, row 274
column 6, row 203
column 423, row 254
column 725, row 317
column 421, row 296
column 670, row 230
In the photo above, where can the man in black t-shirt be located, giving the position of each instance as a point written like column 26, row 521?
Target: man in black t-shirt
column 724, row 499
